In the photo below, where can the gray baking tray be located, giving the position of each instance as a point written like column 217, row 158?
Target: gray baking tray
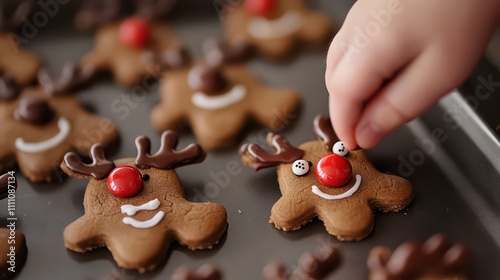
column 457, row 189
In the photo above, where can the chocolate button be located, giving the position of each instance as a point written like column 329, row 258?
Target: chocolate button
column 34, row 110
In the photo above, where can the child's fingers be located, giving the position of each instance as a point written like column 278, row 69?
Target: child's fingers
column 356, row 78
column 407, row 96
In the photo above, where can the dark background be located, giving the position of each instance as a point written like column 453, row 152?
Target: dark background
column 456, row 185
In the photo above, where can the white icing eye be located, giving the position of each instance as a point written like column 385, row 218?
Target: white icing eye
column 339, row 149
column 301, row 167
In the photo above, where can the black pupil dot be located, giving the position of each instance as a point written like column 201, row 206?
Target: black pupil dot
column 145, row 177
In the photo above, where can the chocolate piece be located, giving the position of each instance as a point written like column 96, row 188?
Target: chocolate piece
column 20, row 250
column 206, row 79
column 311, row 265
column 4, row 185
column 345, row 210
column 205, row 272
column 175, row 58
column 154, row 9
column 258, row 158
column 94, row 13
column 73, row 78
column 166, row 157
column 218, row 52
column 167, row 59
column 35, row 110
column 324, row 130
column 9, row 90
column 99, row 168
column 436, row 259
column 12, row 20
column 139, row 229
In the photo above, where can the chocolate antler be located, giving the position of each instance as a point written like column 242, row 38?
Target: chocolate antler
column 206, row 272
column 22, row 10
column 9, row 90
column 324, row 130
column 311, row 266
column 154, row 9
column 166, row 157
column 73, row 77
column 257, row 158
column 94, row 13
column 218, row 52
column 411, row 261
column 99, row 168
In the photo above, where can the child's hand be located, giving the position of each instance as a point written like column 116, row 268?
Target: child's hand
column 393, row 59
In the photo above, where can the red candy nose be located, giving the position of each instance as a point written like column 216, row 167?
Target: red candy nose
column 333, row 170
column 134, row 32
column 259, row 7
column 124, row 181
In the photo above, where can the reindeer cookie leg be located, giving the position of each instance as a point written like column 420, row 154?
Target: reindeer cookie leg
column 130, row 252
column 128, row 72
column 346, row 224
column 201, row 225
column 81, row 236
column 291, row 213
column 279, row 108
column 395, row 193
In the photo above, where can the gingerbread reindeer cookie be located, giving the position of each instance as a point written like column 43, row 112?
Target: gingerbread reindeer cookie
column 436, row 259
column 125, row 47
column 136, row 207
column 13, row 250
column 275, row 26
column 38, row 129
column 217, row 96
column 17, row 65
column 322, row 179
column 311, row 265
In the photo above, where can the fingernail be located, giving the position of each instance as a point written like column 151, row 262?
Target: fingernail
column 369, row 135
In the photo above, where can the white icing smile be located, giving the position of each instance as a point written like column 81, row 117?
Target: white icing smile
column 144, row 224
column 131, row 210
column 348, row 193
column 64, row 129
column 236, row 94
column 287, row 24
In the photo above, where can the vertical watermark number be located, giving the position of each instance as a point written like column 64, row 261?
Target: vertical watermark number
column 11, row 221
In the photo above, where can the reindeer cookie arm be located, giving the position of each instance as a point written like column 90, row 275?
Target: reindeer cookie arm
column 171, row 112
column 236, row 23
column 22, row 66
column 98, row 59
